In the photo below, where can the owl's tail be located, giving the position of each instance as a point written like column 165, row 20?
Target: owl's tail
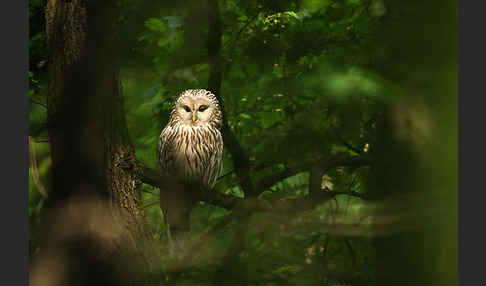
column 164, row 208
column 176, row 208
column 169, row 235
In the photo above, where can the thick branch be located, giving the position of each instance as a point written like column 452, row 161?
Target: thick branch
column 157, row 179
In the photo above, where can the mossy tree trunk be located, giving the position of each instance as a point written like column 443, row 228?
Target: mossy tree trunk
column 92, row 156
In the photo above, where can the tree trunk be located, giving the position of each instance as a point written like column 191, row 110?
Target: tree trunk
column 93, row 162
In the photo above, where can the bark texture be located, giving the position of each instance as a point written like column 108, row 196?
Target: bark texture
column 93, row 161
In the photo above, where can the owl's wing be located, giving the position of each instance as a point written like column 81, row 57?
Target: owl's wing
column 216, row 161
column 165, row 154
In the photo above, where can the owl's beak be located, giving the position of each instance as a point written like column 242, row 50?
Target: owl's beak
column 193, row 118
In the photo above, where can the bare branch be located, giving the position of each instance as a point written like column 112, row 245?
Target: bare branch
column 255, row 167
column 225, row 175
column 323, row 165
column 238, row 34
column 345, row 143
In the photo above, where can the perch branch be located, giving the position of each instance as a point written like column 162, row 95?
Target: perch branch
column 157, row 179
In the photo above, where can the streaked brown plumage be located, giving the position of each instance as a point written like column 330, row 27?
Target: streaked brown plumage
column 190, row 148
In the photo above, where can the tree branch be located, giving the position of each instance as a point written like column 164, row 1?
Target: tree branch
column 345, row 143
column 253, row 167
column 241, row 161
column 340, row 160
column 157, row 179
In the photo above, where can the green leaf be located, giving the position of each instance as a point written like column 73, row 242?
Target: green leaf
column 155, row 24
column 292, row 14
column 245, row 116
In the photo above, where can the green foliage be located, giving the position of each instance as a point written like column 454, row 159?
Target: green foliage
column 302, row 81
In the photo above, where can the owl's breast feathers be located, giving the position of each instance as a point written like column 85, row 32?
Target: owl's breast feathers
column 192, row 153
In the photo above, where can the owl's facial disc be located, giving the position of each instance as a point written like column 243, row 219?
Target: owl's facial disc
column 195, row 111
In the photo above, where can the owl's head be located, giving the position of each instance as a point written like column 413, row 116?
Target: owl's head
column 197, row 107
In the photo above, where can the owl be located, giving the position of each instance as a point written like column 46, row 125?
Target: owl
column 190, row 147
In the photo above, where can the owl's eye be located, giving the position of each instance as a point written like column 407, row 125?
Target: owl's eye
column 186, row 108
column 202, row 108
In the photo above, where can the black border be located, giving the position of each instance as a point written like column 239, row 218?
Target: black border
column 14, row 142
column 471, row 143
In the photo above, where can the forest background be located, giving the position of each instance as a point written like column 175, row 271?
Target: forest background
column 340, row 155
